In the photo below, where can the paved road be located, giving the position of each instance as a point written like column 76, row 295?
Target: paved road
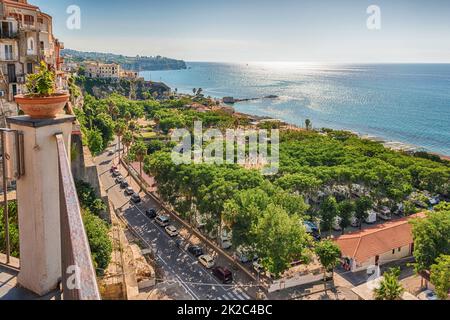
column 179, row 267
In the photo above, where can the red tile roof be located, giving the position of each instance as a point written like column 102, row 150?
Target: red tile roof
column 377, row 240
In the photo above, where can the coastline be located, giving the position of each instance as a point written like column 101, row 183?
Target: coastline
column 397, row 146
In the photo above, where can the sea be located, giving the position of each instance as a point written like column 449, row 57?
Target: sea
column 405, row 103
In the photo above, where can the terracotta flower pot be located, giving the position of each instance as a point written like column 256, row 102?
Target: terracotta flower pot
column 42, row 107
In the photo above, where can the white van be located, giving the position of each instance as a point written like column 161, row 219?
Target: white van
column 371, row 218
column 354, row 222
column 336, row 224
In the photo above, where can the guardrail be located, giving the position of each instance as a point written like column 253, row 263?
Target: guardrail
column 75, row 251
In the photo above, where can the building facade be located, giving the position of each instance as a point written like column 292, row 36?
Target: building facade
column 26, row 39
column 103, row 70
column 378, row 245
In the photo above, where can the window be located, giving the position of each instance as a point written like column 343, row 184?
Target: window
column 31, row 44
column 8, row 52
column 29, row 67
column 28, row 20
column 393, row 251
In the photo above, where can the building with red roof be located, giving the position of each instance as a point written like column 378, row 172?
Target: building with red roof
column 378, row 245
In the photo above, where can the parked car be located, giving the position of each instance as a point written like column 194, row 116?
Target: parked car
column 371, row 218
column 129, row 191
column 258, row 267
column 163, row 221
column 111, row 153
column 428, row 295
column 384, row 213
column 354, row 222
column 136, row 198
column 241, row 256
column 124, row 184
column 196, row 251
column 207, row 261
column 434, row 201
column 337, row 224
column 310, row 227
column 119, row 179
column 116, row 173
column 172, row 231
column 113, row 168
column 313, row 230
column 151, row 213
column 226, row 243
column 223, row 274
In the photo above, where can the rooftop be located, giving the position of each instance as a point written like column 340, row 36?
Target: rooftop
column 377, row 240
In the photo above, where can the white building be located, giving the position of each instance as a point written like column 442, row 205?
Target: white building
column 103, row 70
column 378, row 245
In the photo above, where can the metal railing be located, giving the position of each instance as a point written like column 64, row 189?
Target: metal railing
column 78, row 274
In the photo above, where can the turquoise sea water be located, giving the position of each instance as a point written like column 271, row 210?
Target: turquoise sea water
column 409, row 103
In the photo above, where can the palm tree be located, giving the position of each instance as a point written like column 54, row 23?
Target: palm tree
column 119, row 130
column 308, row 124
column 329, row 255
column 390, row 287
column 127, row 139
column 140, row 151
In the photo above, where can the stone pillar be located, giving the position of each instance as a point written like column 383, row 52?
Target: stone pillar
column 38, row 202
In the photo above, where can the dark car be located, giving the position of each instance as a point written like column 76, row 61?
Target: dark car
column 136, row 198
column 116, row 173
column 151, row 213
column 223, row 274
column 196, row 251
column 124, row 184
column 113, row 168
column 119, row 180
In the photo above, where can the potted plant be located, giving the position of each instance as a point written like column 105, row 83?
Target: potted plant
column 42, row 100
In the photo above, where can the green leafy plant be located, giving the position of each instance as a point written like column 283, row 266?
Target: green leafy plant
column 42, row 83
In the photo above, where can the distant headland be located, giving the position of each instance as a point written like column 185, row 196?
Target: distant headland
column 137, row 63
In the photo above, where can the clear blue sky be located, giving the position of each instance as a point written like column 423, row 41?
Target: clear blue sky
column 259, row 30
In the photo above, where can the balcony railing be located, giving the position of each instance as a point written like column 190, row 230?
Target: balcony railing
column 8, row 35
column 76, row 254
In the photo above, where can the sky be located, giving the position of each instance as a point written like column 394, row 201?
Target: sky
column 259, row 30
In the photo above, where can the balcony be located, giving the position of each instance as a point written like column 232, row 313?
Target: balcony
column 71, row 266
column 9, row 35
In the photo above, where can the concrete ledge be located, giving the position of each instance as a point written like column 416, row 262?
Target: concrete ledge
column 38, row 123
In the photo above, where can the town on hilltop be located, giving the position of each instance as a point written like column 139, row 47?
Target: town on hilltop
column 90, row 189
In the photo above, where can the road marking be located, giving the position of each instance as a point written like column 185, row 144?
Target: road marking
column 246, row 296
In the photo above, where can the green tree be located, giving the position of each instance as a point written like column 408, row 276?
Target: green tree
column 346, row 211
column 328, row 213
column 329, row 255
column 390, row 287
column 431, row 238
column 362, row 206
column 127, row 140
column 440, row 276
column 99, row 241
column 119, row 130
column 308, row 124
column 95, row 141
column 139, row 150
column 280, row 239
